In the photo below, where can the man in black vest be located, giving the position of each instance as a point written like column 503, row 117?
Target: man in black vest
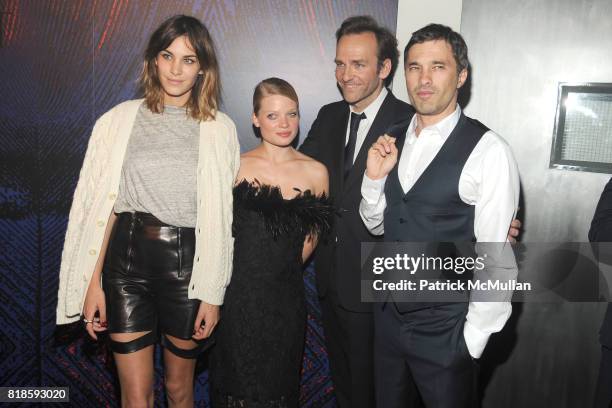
column 455, row 181
column 601, row 231
column 366, row 58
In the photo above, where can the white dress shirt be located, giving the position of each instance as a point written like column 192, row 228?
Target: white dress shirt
column 365, row 124
column 489, row 181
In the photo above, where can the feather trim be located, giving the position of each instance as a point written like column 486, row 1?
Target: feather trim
column 306, row 212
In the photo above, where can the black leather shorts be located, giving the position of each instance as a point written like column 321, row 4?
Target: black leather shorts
column 146, row 277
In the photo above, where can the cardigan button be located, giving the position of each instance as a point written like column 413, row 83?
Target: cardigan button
column 92, row 252
column 100, row 223
column 112, row 196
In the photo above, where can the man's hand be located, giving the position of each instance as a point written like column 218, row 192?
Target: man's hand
column 206, row 320
column 515, row 230
column 382, row 157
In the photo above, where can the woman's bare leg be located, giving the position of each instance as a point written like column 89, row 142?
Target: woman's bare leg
column 179, row 373
column 135, row 372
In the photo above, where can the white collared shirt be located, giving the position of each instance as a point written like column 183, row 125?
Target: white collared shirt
column 364, row 126
column 489, row 181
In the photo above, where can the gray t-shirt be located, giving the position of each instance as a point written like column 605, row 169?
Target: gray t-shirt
column 160, row 166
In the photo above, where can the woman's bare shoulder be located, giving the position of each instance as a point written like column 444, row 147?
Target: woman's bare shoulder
column 316, row 172
column 250, row 154
column 313, row 164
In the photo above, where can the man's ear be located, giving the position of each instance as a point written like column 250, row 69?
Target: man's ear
column 462, row 77
column 385, row 69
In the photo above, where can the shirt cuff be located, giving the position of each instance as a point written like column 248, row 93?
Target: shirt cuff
column 475, row 339
column 371, row 190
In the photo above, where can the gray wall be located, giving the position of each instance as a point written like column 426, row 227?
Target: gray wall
column 519, row 51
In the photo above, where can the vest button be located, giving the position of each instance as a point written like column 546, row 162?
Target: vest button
column 401, row 220
column 405, row 199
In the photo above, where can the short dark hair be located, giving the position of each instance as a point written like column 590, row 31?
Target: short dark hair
column 434, row 32
column 385, row 40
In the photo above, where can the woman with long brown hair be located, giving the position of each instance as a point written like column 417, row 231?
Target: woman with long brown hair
column 148, row 248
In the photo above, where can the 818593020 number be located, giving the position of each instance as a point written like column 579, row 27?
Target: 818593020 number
column 34, row 394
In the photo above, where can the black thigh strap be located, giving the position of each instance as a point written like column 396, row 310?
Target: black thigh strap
column 126, row 347
column 183, row 353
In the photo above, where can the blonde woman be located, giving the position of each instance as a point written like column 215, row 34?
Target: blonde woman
column 280, row 210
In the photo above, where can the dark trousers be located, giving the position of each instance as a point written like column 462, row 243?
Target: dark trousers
column 603, row 392
column 349, row 339
column 425, row 346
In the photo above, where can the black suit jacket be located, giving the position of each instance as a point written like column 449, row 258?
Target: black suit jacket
column 338, row 259
column 601, row 231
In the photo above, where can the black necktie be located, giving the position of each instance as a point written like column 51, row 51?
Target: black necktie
column 349, row 149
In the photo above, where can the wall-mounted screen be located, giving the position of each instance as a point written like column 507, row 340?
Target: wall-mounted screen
column 582, row 139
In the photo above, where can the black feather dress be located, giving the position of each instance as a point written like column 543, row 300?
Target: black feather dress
column 260, row 338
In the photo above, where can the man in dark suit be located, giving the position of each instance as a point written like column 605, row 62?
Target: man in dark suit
column 447, row 179
column 366, row 58
column 601, row 231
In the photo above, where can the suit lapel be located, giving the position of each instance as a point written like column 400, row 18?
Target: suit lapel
column 338, row 135
column 378, row 128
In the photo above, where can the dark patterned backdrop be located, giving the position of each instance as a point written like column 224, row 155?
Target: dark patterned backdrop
column 65, row 62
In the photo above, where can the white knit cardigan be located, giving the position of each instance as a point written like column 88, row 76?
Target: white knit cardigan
column 96, row 192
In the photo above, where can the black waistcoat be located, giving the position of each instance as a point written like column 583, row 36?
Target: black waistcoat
column 432, row 210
